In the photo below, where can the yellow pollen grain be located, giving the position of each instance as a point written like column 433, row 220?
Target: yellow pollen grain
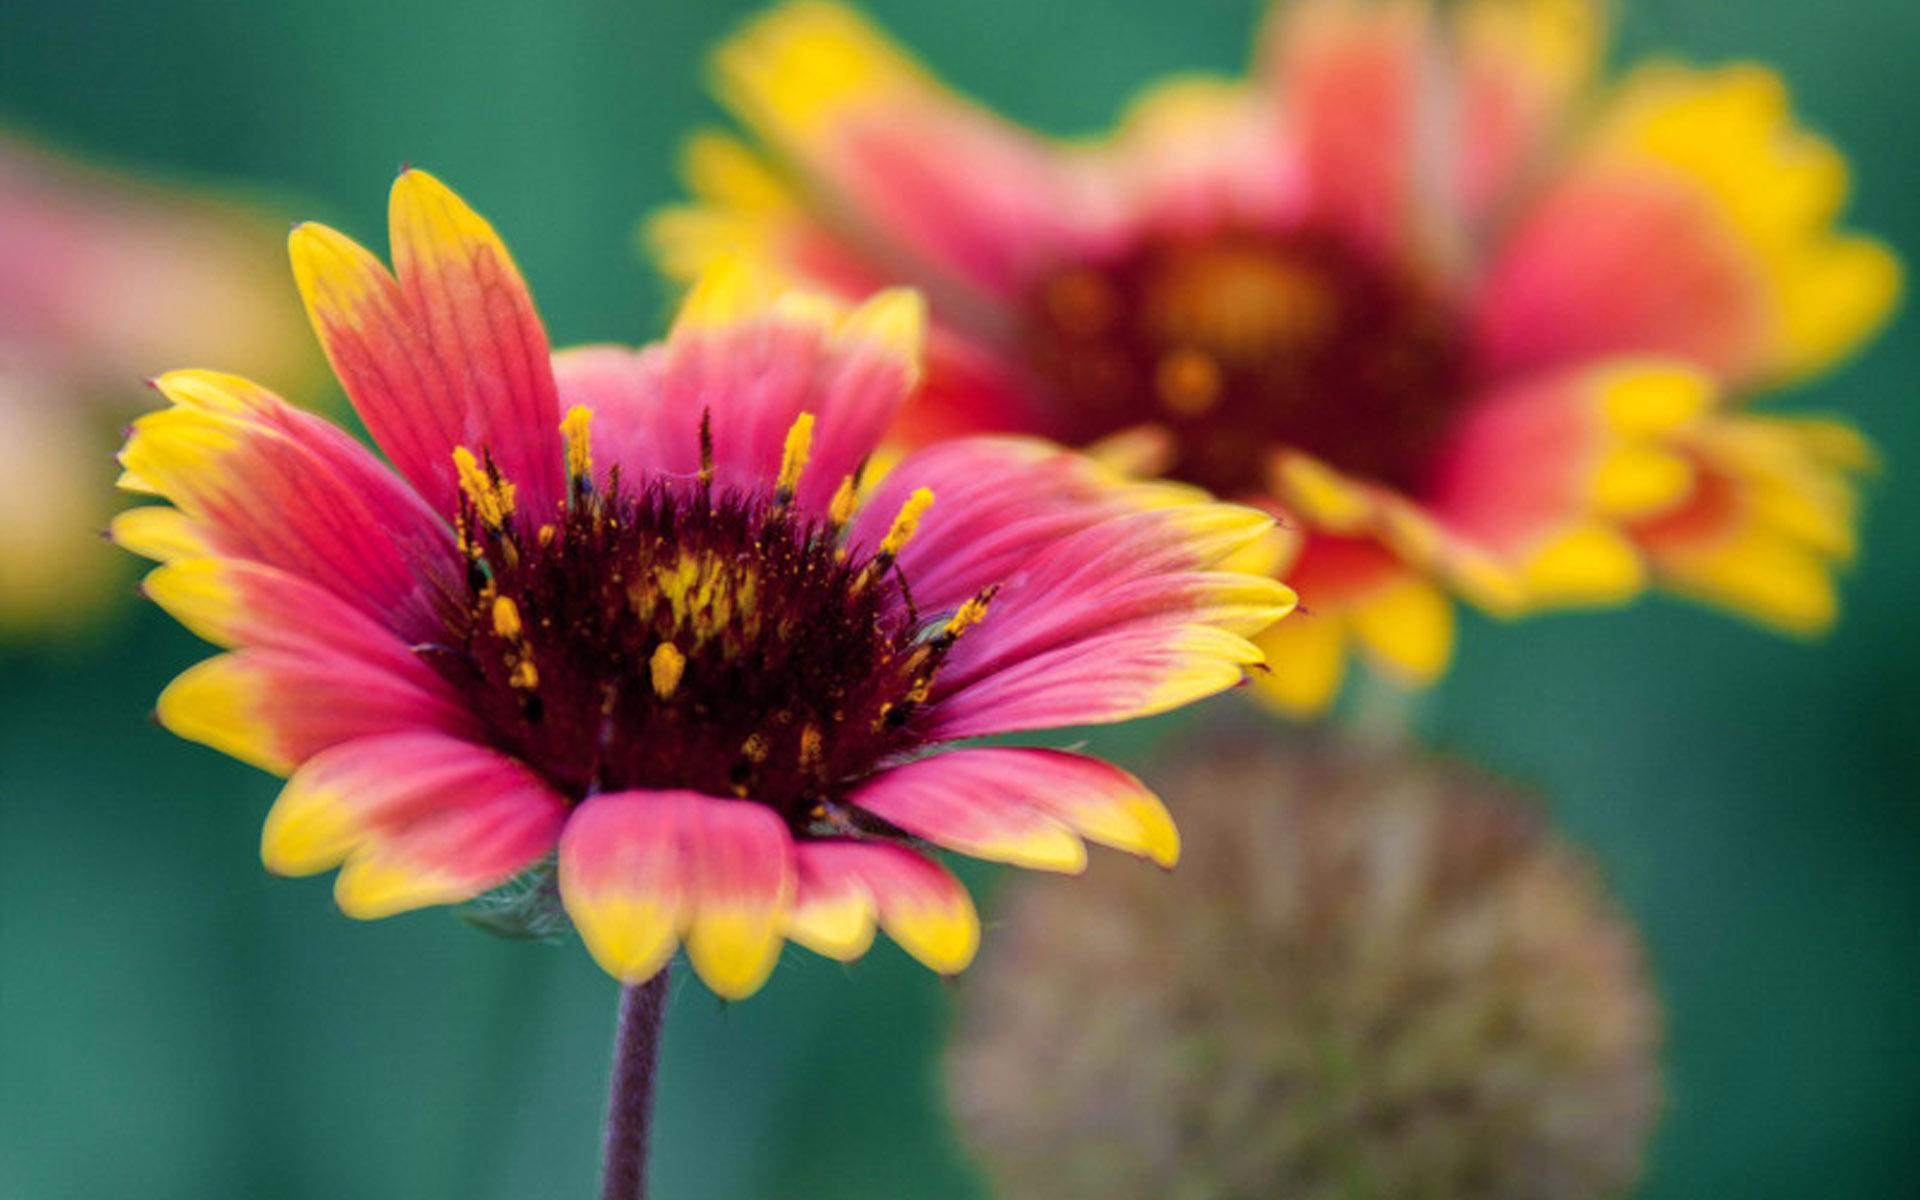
column 506, row 618
column 793, row 459
column 907, row 522
column 492, row 498
column 576, row 429
column 812, row 747
column 755, row 748
column 1187, row 381
column 967, row 616
column 525, row 675
column 666, row 667
column 546, row 536
column 845, row 498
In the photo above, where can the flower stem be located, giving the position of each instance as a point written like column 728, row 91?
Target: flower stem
column 636, row 1055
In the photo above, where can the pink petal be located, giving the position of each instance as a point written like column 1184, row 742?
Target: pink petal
column 264, row 481
column 238, row 602
column 958, row 194
column 844, row 884
column 1109, row 677
column 997, row 502
column 754, row 377
column 959, row 801
column 277, row 708
column 1131, row 572
column 423, row 815
column 1620, row 261
column 1348, row 79
column 1517, row 465
column 637, row 869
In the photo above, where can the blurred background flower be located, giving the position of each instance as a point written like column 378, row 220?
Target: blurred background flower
column 1477, row 321
column 1376, row 974
column 176, row 1023
column 106, row 280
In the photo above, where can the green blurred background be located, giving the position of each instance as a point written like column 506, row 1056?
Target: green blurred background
column 174, row 1023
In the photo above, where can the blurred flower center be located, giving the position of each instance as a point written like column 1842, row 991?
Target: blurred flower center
column 676, row 636
column 1238, row 342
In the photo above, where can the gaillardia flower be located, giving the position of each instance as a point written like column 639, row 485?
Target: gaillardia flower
column 1374, row 975
column 1474, row 326
column 648, row 611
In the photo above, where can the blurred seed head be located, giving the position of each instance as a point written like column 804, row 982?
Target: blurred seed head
column 1372, row 975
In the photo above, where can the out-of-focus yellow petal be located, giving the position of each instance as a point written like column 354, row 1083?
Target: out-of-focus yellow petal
column 794, row 70
column 1730, row 132
column 1589, row 564
column 1407, row 629
column 1306, row 659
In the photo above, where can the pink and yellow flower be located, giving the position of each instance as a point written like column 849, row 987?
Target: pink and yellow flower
column 103, row 281
column 650, row 612
column 1472, row 324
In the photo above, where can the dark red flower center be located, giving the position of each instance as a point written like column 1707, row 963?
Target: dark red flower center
column 1238, row 342
column 677, row 635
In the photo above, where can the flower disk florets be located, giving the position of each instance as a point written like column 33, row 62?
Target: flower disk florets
column 1239, row 342
column 678, row 635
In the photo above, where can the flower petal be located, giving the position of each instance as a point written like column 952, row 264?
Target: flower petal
column 237, row 602
column 1406, row 630
column 918, row 903
column 1098, row 680
column 1098, row 586
column 425, row 817
column 1001, row 504
column 1348, row 78
column 1521, row 65
column 1307, row 659
column 1092, row 798
column 1560, row 455
column 1695, row 221
column 259, row 479
column 638, row 870
column 754, row 362
column 276, row 709
column 975, row 200
column 447, row 351
column 1770, row 518
column 744, row 882
column 449, row 856
column 159, row 532
column 955, row 800
column 833, row 911
column 1123, row 575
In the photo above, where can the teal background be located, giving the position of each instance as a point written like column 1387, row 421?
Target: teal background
column 174, row 1023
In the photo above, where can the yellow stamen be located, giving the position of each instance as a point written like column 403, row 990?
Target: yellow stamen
column 575, row 429
column 506, row 618
column 968, row 615
column 755, row 748
column 793, row 460
column 907, row 522
column 845, row 498
column 666, row 667
column 492, row 497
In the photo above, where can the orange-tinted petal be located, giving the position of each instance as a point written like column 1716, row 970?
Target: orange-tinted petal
column 449, row 353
